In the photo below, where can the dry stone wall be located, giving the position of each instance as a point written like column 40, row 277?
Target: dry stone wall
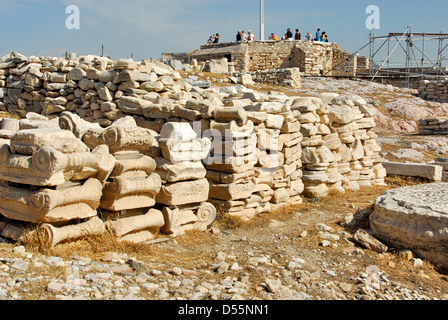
column 433, row 126
column 433, row 90
column 438, row 91
column 312, row 58
column 163, row 155
column 289, row 77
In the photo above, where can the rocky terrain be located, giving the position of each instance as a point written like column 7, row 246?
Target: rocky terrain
column 306, row 252
column 398, row 113
column 301, row 254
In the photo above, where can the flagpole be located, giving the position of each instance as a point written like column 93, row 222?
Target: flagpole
column 262, row 20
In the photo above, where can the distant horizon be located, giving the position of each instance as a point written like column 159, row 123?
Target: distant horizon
column 146, row 29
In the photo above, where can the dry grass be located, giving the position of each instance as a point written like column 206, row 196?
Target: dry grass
column 402, row 181
column 194, row 238
column 341, row 202
column 94, row 246
column 226, row 221
column 90, row 246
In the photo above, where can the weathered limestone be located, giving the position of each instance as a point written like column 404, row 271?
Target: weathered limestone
column 177, row 220
column 274, row 60
column 46, row 166
column 414, row 218
column 138, row 228
column 79, row 127
column 433, row 90
column 186, row 190
column 443, row 162
column 185, row 170
column 27, row 142
column 8, row 127
column 130, row 193
column 423, row 170
column 339, row 141
column 121, row 139
column 132, row 184
column 248, row 152
column 54, row 235
column 433, row 126
column 77, row 201
column 233, row 155
column 370, row 242
column 50, row 176
column 233, row 148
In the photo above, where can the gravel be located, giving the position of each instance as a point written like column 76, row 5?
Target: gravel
column 255, row 276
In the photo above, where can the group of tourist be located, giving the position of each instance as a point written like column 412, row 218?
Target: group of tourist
column 242, row 36
column 213, row 39
column 321, row 37
column 289, row 36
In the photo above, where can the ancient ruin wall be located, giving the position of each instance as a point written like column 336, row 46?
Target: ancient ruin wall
column 312, row 58
column 433, row 90
column 267, row 150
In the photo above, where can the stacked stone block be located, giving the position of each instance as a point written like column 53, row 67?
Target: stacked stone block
column 433, row 126
column 230, row 164
column 49, row 178
column 278, row 146
column 288, row 77
column 433, row 90
column 264, row 150
column 131, row 187
column 185, row 189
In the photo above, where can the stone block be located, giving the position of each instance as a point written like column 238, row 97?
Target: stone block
column 428, row 171
column 184, row 192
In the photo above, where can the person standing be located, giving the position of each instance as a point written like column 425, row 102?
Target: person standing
column 318, row 35
column 298, row 36
column 250, row 36
column 239, row 36
column 308, row 36
column 288, row 35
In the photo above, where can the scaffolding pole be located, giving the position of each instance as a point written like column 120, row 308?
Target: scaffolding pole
column 411, row 39
column 404, row 34
column 410, row 49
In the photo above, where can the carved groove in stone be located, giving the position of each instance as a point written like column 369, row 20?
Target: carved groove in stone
column 47, row 205
column 54, row 235
column 46, row 167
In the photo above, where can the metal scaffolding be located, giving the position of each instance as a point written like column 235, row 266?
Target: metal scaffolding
column 417, row 60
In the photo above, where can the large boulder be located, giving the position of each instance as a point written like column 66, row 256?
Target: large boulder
column 415, row 218
column 217, row 66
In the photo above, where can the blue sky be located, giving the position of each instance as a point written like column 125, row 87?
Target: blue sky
column 148, row 28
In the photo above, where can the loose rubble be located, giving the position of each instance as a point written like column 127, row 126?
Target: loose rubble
column 152, row 141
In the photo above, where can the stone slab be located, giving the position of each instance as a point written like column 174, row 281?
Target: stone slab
column 428, row 171
column 415, row 218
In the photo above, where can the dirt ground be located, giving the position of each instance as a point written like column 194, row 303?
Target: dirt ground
column 279, row 236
